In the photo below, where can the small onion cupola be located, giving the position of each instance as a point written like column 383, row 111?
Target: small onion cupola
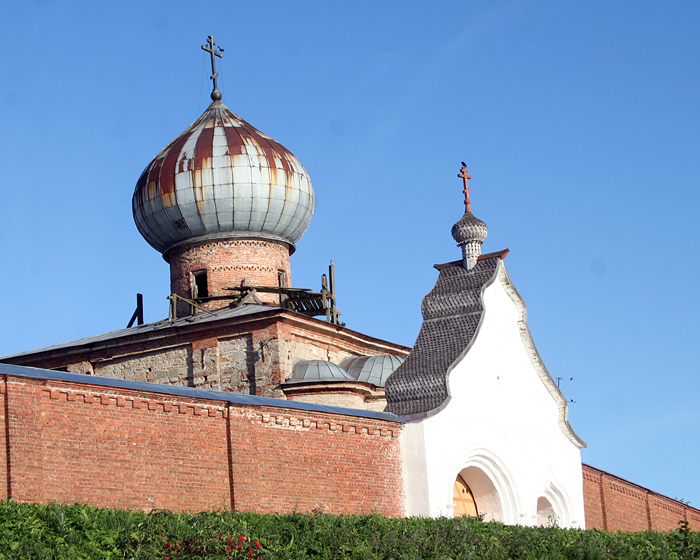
column 317, row 370
column 469, row 232
column 372, row 369
column 224, row 203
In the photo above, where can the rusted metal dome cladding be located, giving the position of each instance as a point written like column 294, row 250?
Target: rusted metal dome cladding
column 222, row 178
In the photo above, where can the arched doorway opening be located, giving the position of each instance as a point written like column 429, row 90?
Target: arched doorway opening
column 465, row 505
column 546, row 516
column 481, row 491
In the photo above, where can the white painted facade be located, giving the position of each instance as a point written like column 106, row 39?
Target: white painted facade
column 503, row 428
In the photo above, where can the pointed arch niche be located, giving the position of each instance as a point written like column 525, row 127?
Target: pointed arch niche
column 490, row 489
column 545, row 513
column 552, row 508
column 484, row 495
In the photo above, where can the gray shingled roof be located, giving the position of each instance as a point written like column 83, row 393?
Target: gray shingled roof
column 451, row 314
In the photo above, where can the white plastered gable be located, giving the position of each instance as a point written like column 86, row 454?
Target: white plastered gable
column 504, row 428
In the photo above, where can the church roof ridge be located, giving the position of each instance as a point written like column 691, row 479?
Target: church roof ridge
column 495, row 255
column 245, row 312
column 153, row 326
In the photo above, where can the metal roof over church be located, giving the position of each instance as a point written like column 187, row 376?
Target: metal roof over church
column 206, row 317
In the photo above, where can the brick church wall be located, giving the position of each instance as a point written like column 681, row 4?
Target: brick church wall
column 249, row 355
column 167, row 365
column 118, row 444
column 615, row 504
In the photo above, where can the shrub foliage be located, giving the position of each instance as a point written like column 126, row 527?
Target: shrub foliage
column 29, row 531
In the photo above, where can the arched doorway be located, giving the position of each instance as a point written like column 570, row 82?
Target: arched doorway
column 546, row 516
column 480, row 491
column 465, row 505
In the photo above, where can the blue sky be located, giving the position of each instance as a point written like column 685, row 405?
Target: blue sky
column 579, row 121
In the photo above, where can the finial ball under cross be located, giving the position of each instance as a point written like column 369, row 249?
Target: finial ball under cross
column 464, row 175
column 215, row 94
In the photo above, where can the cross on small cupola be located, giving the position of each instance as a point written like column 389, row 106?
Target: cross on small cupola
column 464, row 175
column 215, row 94
column 469, row 232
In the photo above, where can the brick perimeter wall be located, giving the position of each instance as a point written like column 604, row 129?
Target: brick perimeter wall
column 615, row 504
column 110, row 447
column 298, row 462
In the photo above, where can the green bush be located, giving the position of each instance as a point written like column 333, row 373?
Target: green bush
column 31, row 531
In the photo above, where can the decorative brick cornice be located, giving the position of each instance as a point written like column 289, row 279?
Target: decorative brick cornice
column 287, row 421
column 227, row 244
column 627, row 491
column 627, row 488
column 590, row 477
column 136, row 403
column 665, row 503
column 232, row 267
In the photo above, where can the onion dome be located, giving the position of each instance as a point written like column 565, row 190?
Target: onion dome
column 317, row 370
column 372, row 369
column 222, row 178
column 469, row 228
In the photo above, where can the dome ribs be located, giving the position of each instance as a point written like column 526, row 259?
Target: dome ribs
column 274, row 155
column 204, row 149
column 166, row 171
column 235, row 142
column 236, row 148
column 222, row 177
column 202, row 166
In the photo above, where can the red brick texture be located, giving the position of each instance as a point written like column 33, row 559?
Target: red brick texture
column 114, row 447
column 306, row 461
column 227, row 263
column 615, row 504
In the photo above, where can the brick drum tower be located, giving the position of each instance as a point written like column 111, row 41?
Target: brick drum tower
column 225, row 205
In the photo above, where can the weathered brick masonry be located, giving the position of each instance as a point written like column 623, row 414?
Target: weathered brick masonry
column 72, row 438
column 227, row 262
column 252, row 353
column 615, row 504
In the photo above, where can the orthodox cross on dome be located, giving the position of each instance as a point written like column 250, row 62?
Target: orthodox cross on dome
column 215, row 94
column 464, row 175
